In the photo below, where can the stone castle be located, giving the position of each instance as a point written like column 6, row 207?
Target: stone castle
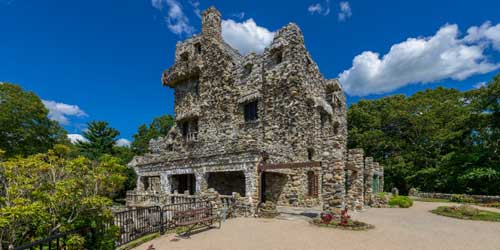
column 267, row 126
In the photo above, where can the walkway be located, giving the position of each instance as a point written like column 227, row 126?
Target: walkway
column 396, row 229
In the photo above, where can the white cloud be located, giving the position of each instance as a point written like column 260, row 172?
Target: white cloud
column 74, row 138
column 177, row 21
column 480, row 85
column 485, row 34
column 246, row 36
column 60, row 111
column 320, row 8
column 416, row 60
column 345, row 11
column 122, row 142
column 196, row 7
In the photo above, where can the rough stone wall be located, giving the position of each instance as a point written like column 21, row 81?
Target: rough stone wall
column 333, row 192
column 368, row 197
column 290, row 187
column 355, row 167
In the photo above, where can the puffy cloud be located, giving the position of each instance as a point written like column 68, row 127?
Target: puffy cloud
column 122, row 142
column 74, row 138
column 246, row 36
column 177, row 21
column 320, row 8
column 240, row 15
column 486, row 34
column 60, row 111
column 417, row 60
column 345, row 11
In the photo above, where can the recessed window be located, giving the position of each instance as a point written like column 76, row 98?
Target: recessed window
column 312, row 184
column 336, row 126
column 247, row 70
column 185, row 56
column 196, row 87
column 277, row 57
column 251, row 112
column 189, row 129
column 310, row 154
column 323, row 118
column 197, row 48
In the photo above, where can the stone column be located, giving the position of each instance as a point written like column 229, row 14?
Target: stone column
column 368, row 175
column 140, row 183
column 382, row 178
column 165, row 183
column 333, row 192
column 355, row 165
column 201, row 181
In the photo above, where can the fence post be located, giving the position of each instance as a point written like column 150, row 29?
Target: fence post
column 162, row 226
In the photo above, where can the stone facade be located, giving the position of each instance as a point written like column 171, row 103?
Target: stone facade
column 234, row 113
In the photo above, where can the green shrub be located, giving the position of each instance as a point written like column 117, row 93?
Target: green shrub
column 400, row 201
column 461, row 198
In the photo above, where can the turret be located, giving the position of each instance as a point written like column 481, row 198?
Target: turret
column 211, row 24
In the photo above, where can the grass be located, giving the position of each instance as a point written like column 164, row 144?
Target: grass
column 430, row 199
column 467, row 213
column 138, row 242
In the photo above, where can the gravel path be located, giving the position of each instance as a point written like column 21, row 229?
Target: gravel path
column 396, row 229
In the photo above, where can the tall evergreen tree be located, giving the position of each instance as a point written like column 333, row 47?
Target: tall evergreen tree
column 160, row 126
column 101, row 139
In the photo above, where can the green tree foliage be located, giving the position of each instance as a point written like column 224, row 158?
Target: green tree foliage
column 25, row 128
column 101, row 139
column 160, row 126
column 436, row 140
column 51, row 192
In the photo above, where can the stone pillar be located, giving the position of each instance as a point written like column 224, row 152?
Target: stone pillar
column 201, row 181
column 368, row 175
column 211, row 24
column 165, row 183
column 140, row 183
column 333, row 192
column 376, row 168
column 355, row 165
column 381, row 181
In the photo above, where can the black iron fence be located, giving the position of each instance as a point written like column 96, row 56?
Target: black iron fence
column 135, row 223
column 54, row 242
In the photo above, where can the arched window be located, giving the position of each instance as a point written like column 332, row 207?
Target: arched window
column 312, row 184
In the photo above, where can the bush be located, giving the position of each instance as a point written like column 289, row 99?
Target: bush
column 400, row 201
column 461, row 198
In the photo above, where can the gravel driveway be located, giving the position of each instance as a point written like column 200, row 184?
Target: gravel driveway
column 398, row 229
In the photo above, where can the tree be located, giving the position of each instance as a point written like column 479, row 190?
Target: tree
column 439, row 140
column 25, row 128
column 50, row 192
column 101, row 139
column 160, row 126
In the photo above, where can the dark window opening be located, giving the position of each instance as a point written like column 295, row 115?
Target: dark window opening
column 310, row 154
column 170, row 147
column 189, row 129
column 184, row 56
column 183, row 183
column 329, row 99
column 251, row 112
column 336, row 126
column 247, row 69
column 197, row 48
column 312, row 184
column 323, row 118
column 197, row 87
column 277, row 57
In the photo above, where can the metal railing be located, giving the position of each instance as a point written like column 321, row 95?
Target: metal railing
column 54, row 242
column 135, row 223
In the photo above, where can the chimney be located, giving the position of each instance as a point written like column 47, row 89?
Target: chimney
column 211, row 23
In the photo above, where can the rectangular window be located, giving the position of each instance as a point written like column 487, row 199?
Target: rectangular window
column 312, row 184
column 251, row 112
column 189, row 129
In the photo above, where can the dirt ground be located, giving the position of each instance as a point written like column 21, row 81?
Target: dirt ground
column 395, row 229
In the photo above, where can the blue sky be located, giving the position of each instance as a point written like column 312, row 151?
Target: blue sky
column 102, row 60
